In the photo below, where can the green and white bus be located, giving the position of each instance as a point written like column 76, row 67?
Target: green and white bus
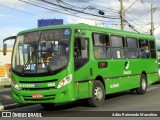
column 65, row 63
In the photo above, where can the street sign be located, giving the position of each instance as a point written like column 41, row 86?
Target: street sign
column 49, row 22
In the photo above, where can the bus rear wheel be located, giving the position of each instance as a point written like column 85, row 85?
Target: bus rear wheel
column 48, row 105
column 143, row 85
column 98, row 94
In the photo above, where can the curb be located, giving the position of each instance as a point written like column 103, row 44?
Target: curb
column 13, row 106
column 4, row 86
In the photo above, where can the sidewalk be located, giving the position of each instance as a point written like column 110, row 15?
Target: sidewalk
column 6, row 101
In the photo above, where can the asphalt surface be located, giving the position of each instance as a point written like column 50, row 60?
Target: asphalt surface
column 5, row 96
column 124, row 101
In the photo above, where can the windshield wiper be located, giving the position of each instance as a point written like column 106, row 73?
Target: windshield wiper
column 47, row 66
column 25, row 65
column 28, row 62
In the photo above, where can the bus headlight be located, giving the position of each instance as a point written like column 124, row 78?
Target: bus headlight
column 65, row 81
column 15, row 85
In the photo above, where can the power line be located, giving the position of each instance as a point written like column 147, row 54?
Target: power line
column 51, row 3
column 140, row 27
column 131, row 5
column 114, row 10
column 33, row 4
column 131, row 26
column 58, row 1
column 140, row 16
column 72, row 9
column 156, row 27
column 134, row 17
column 21, row 11
column 144, row 4
column 89, row 7
column 39, row 3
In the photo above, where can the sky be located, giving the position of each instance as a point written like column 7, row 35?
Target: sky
column 16, row 15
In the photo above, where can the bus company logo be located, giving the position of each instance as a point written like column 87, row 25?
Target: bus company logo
column 127, row 72
column 126, row 65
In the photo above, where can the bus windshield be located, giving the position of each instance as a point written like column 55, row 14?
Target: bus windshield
column 41, row 51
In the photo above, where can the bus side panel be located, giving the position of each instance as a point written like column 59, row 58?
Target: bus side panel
column 83, row 80
column 108, row 83
column 124, row 83
column 151, row 69
column 152, row 78
column 83, row 90
column 134, row 81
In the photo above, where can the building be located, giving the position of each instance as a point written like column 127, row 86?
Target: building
column 5, row 64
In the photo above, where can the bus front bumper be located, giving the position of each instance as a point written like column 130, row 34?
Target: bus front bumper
column 64, row 94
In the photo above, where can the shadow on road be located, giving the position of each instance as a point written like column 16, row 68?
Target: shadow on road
column 82, row 103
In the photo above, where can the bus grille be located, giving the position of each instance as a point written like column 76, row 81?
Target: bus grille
column 32, row 89
column 44, row 81
column 45, row 98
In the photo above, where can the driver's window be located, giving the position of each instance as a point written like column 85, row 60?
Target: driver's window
column 81, row 52
column 81, row 48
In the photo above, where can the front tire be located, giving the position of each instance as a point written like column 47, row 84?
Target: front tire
column 98, row 94
column 143, row 85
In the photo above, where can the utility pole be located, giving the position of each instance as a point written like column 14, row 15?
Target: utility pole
column 122, row 15
column 152, row 24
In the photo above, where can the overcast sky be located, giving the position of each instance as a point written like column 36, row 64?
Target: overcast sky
column 24, row 16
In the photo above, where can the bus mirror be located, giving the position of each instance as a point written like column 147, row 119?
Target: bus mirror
column 4, row 49
column 5, row 45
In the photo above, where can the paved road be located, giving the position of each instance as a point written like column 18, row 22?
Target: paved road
column 5, row 96
column 116, row 102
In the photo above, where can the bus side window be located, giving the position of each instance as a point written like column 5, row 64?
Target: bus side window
column 144, row 49
column 132, row 50
column 118, row 47
column 101, row 46
column 152, row 49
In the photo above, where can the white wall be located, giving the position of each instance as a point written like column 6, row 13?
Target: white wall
column 6, row 58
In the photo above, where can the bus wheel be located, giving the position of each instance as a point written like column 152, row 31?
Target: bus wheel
column 48, row 105
column 143, row 85
column 98, row 94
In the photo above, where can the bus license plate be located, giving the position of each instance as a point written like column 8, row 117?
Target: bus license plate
column 37, row 96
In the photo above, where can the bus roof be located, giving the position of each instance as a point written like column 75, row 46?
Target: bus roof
column 92, row 28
